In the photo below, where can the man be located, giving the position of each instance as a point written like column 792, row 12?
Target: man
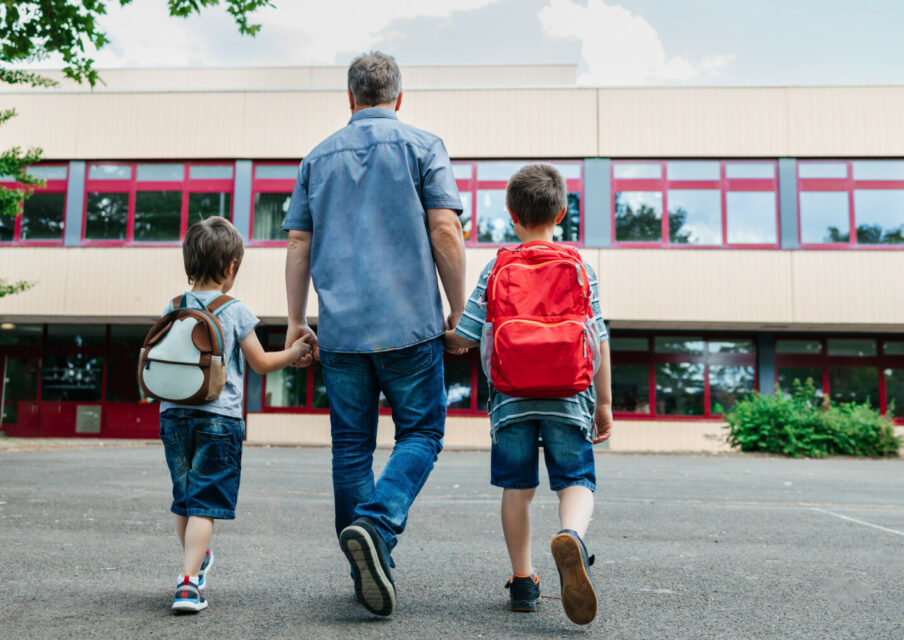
column 373, row 217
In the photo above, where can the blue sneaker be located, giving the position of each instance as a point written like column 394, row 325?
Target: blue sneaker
column 205, row 567
column 578, row 597
column 188, row 597
column 524, row 592
column 369, row 560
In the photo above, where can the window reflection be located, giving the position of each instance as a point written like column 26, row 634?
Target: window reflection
column 493, row 221
column 72, row 378
column 787, row 376
column 879, row 215
column 894, row 392
column 679, row 388
column 728, row 384
column 750, row 217
column 695, row 216
column 203, row 205
column 20, row 384
column 638, row 216
column 466, row 217
column 42, row 217
column 677, row 344
column 824, row 217
column 631, row 388
column 851, row 347
column 854, row 384
column 158, row 216
column 458, row 384
column 287, row 388
column 106, row 216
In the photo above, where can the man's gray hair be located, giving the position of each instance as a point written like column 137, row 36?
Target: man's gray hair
column 374, row 78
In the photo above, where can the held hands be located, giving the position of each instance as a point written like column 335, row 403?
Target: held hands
column 450, row 337
column 602, row 423
column 303, row 336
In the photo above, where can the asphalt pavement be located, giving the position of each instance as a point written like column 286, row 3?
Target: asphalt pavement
column 687, row 547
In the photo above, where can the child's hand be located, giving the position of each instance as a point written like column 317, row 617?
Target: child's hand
column 451, row 342
column 304, row 358
column 602, row 420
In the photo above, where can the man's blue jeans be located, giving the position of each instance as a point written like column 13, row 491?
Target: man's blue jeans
column 412, row 380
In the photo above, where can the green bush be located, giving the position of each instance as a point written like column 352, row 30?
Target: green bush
column 804, row 425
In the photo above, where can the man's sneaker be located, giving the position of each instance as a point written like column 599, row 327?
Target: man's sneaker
column 205, row 567
column 188, row 597
column 369, row 559
column 578, row 597
column 524, row 591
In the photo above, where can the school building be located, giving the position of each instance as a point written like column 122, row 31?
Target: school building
column 743, row 236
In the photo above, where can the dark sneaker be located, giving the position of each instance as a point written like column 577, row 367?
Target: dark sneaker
column 369, row 559
column 578, row 597
column 524, row 591
column 188, row 597
column 205, row 567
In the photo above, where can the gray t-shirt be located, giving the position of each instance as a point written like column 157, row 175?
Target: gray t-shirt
column 237, row 322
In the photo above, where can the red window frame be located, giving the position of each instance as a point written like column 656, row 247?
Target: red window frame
column 823, row 361
column 269, row 185
column 724, row 184
column 474, row 184
column 650, row 358
column 844, row 185
column 58, row 186
column 132, row 186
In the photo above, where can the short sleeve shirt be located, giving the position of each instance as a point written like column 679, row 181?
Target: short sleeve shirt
column 505, row 410
column 237, row 322
column 363, row 193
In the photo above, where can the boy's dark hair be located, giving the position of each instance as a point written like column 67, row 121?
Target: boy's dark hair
column 210, row 246
column 536, row 194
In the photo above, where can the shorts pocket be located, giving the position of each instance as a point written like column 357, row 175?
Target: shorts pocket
column 215, row 452
column 174, row 449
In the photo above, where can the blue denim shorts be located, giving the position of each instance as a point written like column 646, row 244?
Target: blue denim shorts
column 204, row 455
column 515, row 456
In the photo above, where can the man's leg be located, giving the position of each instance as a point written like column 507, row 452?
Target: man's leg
column 412, row 380
column 351, row 386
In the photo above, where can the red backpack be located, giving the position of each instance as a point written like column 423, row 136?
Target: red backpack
column 539, row 340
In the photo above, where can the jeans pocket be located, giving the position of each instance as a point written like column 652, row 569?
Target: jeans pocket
column 215, row 452
column 408, row 360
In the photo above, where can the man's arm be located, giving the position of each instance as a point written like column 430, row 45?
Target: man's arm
column 602, row 383
column 298, row 282
column 449, row 254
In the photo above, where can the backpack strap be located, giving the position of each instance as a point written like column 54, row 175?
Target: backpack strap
column 220, row 303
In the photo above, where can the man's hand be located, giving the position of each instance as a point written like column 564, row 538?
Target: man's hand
column 602, row 421
column 451, row 321
column 304, row 333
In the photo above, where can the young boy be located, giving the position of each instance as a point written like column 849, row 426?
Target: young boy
column 537, row 202
column 203, row 443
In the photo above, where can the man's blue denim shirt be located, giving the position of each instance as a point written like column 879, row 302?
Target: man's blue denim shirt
column 363, row 193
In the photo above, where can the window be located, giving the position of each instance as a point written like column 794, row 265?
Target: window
column 679, row 375
column 848, row 204
column 152, row 203
column 272, row 190
column 485, row 219
column 848, row 369
column 707, row 203
column 43, row 214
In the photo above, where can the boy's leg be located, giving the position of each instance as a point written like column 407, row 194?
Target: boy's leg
column 198, row 533
column 575, row 508
column 181, row 523
column 516, row 529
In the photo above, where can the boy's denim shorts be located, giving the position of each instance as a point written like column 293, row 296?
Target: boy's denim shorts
column 515, row 455
column 204, row 455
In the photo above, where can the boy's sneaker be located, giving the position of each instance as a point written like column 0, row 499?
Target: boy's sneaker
column 205, row 567
column 369, row 559
column 524, row 591
column 578, row 597
column 188, row 597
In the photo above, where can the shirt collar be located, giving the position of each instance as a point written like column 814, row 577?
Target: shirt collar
column 374, row 112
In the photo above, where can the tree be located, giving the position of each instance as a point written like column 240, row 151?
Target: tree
column 33, row 30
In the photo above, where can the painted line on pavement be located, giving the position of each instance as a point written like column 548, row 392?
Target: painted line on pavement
column 866, row 524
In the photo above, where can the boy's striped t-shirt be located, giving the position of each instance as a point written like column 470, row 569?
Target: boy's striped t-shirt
column 505, row 410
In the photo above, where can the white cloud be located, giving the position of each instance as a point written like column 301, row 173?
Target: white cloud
column 295, row 32
column 619, row 47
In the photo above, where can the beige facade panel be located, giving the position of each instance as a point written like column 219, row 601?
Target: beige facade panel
column 641, row 289
column 692, row 122
column 305, row 78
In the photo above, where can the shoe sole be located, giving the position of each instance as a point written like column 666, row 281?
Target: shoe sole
column 578, row 597
column 203, row 585
column 373, row 588
column 524, row 607
column 187, row 606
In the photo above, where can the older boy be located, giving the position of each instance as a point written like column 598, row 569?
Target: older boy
column 537, row 202
column 203, row 443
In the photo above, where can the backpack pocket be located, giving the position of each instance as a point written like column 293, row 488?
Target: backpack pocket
column 541, row 360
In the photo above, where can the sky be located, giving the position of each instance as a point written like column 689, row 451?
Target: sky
column 627, row 43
